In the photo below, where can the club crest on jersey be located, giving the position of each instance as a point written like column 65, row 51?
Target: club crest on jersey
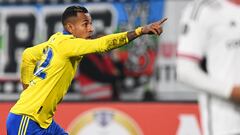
column 185, row 29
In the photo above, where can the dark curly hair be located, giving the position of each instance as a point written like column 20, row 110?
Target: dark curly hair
column 72, row 11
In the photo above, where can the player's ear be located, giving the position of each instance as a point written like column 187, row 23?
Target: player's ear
column 69, row 27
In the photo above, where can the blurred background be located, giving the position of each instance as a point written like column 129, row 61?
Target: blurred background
column 134, row 86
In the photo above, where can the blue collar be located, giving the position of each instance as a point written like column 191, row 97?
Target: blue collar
column 65, row 32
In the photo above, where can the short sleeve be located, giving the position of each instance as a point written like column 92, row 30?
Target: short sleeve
column 193, row 37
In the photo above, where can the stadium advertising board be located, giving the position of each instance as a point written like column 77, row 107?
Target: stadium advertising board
column 123, row 118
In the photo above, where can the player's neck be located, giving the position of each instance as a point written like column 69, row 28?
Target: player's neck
column 237, row 2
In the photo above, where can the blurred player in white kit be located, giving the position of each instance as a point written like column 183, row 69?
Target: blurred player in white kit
column 211, row 30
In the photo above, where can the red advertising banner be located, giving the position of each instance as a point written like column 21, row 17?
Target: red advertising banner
column 122, row 118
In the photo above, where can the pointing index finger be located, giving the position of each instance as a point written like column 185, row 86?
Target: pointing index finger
column 162, row 21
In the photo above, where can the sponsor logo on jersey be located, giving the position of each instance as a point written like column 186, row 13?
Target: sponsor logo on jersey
column 233, row 44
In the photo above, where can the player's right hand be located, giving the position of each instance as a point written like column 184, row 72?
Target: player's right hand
column 154, row 28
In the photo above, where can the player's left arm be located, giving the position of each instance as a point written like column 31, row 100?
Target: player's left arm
column 30, row 57
column 78, row 46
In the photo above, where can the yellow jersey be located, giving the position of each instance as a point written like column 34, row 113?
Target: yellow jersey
column 49, row 68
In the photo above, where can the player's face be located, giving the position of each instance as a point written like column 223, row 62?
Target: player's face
column 82, row 26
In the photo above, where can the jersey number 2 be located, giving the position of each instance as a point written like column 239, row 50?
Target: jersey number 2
column 40, row 70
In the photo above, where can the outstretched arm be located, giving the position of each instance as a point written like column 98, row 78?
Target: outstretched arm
column 78, row 47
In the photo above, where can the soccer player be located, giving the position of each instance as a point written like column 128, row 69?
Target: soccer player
column 211, row 30
column 57, row 60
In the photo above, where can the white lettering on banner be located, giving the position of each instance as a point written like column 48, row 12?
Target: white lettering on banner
column 18, row 29
column 22, row 32
column 188, row 125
